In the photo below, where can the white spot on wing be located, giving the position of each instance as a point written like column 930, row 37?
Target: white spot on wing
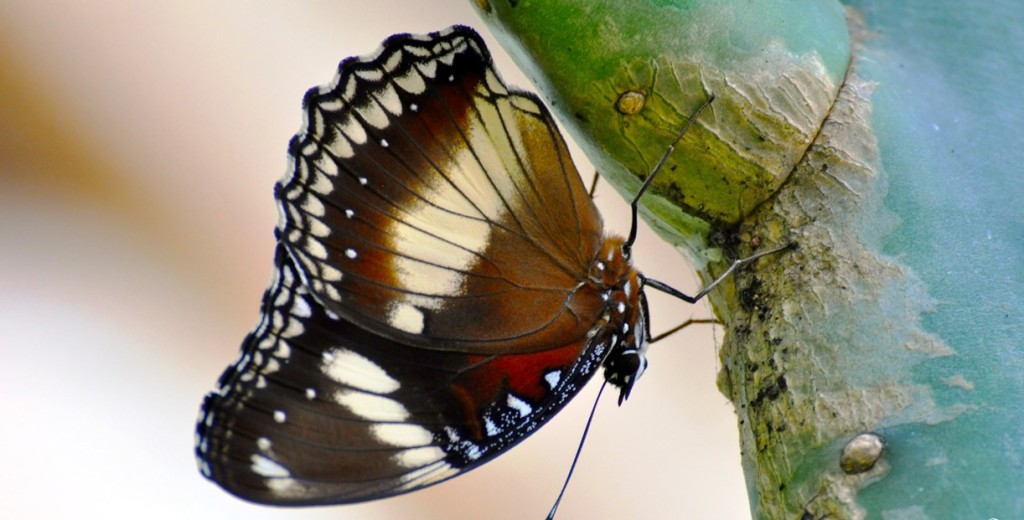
column 331, row 105
column 370, row 74
column 392, row 62
column 341, row 147
column 553, row 378
column 418, row 457
column 525, row 104
column 313, row 206
column 325, row 163
column 427, row 475
column 405, row 316
column 374, row 115
column 293, row 329
column 283, row 350
column 428, row 69
column 280, row 298
column 493, row 83
column 453, row 435
column 322, row 185
column 280, row 416
column 286, row 487
column 388, row 98
column 491, row 428
column 402, row 435
column 348, row 91
column 265, row 467
column 371, row 406
column 447, row 59
column 519, row 405
column 301, row 308
column 330, row 274
column 418, row 52
column 411, row 82
column 348, row 368
column 315, row 248
column 354, row 130
column 318, row 229
column 332, row 293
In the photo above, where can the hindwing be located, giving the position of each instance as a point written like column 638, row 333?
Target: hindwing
column 318, row 410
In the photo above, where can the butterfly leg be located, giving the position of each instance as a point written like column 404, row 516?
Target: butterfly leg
column 667, row 289
column 593, row 184
column 683, row 325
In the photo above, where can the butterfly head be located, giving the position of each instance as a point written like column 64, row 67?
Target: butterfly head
column 626, row 331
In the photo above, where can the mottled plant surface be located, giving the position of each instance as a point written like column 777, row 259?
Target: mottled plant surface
column 889, row 163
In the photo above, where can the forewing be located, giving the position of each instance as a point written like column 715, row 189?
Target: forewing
column 320, row 411
column 428, row 203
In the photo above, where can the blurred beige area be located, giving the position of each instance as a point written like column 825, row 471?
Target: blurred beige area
column 139, row 142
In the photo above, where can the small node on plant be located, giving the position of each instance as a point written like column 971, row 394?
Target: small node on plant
column 861, row 453
column 630, row 102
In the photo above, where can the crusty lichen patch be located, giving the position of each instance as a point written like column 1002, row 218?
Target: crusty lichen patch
column 847, row 335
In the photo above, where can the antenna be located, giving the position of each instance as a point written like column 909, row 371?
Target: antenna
column 579, row 449
column 657, row 167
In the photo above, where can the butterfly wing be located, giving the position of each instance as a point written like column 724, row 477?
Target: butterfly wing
column 319, row 411
column 430, row 306
column 430, row 204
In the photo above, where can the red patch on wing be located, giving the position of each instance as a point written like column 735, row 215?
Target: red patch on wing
column 519, row 374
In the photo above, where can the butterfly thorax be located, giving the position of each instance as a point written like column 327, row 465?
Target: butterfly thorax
column 624, row 327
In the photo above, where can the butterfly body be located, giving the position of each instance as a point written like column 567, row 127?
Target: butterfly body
column 443, row 286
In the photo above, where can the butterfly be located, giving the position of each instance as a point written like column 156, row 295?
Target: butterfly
column 442, row 287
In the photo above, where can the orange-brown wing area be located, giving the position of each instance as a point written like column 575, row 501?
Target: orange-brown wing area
column 428, row 203
column 318, row 410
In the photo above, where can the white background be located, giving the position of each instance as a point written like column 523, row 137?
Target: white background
column 138, row 147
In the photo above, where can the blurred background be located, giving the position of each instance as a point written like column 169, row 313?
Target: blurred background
column 139, row 143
